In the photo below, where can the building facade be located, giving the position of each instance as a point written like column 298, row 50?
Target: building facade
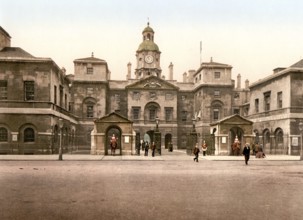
column 36, row 95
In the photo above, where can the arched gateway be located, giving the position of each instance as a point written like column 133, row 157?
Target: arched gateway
column 231, row 133
column 113, row 126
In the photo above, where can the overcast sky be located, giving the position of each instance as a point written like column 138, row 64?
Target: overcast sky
column 254, row 36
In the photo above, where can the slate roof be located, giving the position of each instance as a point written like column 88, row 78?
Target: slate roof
column 90, row 60
column 15, row 52
column 298, row 67
column 298, row 64
column 4, row 31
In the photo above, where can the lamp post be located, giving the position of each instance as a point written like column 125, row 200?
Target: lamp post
column 60, row 145
column 192, row 138
column 301, row 129
column 157, row 136
column 157, row 124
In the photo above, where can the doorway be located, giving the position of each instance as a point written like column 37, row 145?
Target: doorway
column 116, row 132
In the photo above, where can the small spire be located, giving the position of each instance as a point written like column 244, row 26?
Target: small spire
column 92, row 54
column 147, row 21
column 211, row 59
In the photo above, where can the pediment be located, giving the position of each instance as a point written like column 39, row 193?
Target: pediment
column 234, row 119
column 152, row 82
column 113, row 117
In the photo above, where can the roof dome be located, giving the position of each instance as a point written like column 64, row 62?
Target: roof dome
column 148, row 29
column 148, row 45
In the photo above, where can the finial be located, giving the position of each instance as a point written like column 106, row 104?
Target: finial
column 147, row 21
column 92, row 54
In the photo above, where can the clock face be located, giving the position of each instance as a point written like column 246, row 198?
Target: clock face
column 149, row 59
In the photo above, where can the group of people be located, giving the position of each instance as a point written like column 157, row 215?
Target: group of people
column 196, row 151
column 145, row 147
column 257, row 150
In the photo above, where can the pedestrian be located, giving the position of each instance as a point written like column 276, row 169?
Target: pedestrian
column 196, row 151
column 246, row 152
column 153, row 148
column 143, row 145
column 146, row 148
column 204, row 148
column 138, row 148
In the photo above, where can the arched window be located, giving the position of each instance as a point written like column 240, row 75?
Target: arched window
column 3, row 134
column 151, row 111
column 29, row 135
column 279, row 136
column 266, row 137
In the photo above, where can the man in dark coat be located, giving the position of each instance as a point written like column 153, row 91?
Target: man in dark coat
column 196, row 151
column 153, row 148
column 246, row 152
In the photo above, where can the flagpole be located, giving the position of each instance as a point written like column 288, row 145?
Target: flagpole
column 200, row 53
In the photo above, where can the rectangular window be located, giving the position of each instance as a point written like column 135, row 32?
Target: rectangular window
column 136, row 113
column 257, row 105
column 246, row 110
column 89, row 70
column 55, row 94
column 90, row 111
column 3, row 89
column 267, row 101
column 65, row 101
column 168, row 114
column 217, row 75
column 183, row 115
column 216, row 114
column 217, row 93
column 61, row 96
column 29, row 90
column 136, row 96
column 279, row 99
column 152, row 114
column 236, row 111
column 70, row 106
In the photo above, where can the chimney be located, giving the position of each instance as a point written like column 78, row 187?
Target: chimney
column 191, row 75
column 184, row 77
column 5, row 39
column 246, row 84
column 129, row 67
column 171, row 71
column 239, row 81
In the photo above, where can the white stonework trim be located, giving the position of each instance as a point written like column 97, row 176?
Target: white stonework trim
column 45, row 133
column 287, row 116
column 34, row 111
column 98, row 134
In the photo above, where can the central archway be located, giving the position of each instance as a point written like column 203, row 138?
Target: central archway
column 236, row 133
column 113, row 130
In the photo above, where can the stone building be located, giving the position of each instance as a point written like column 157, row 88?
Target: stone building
column 36, row 95
column 275, row 107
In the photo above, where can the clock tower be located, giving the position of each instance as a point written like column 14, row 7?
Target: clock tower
column 148, row 56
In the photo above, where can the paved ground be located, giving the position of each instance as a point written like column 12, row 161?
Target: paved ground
column 154, row 188
column 166, row 156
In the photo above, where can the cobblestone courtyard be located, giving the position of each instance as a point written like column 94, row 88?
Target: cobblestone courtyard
column 151, row 190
